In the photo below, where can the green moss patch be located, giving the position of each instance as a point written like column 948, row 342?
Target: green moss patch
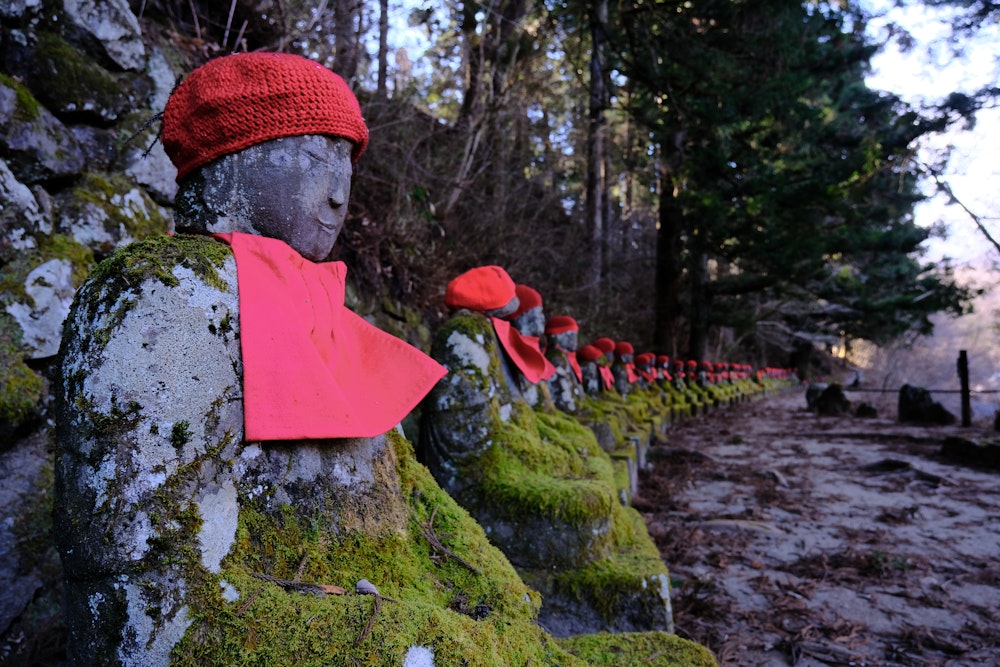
column 20, row 387
column 657, row 649
column 465, row 618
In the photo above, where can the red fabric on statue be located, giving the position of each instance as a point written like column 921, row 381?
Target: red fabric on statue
column 524, row 351
column 608, row 376
column 312, row 368
column 630, row 373
column 574, row 364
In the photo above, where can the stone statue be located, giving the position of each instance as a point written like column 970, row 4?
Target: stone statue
column 529, row 321
column 590, row 357
column 566, row 385
column 623, row 367
column 216, row 375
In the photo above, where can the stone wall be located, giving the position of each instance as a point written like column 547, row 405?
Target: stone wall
column 80, row 81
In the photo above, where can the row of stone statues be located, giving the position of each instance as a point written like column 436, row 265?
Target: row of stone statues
column 229, row 441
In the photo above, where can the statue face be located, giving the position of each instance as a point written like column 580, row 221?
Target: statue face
column 506, row 310
column 531, row 322
column 294, row 189
column 566, row 340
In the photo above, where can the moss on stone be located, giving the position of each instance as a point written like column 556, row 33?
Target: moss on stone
column 271, row 626
column 656, row 649
column 28, row 108
column 68, row 73
column 54, row 246
column 124, row 207
column 524, row 475
column 20, row 387
column 153, row 258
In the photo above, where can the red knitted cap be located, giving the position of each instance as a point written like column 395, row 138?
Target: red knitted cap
column 558, row 324
column 605, row 345
column 624, row 347
column 692, row 363
column 589, row 353
column 662, row 360
column 528, row 297
column 236, row 101
column 481, row 288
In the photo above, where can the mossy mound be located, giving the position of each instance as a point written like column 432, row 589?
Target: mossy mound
column 461, row 616
column 657, row 649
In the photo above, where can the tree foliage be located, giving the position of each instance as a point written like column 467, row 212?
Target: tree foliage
column 744, row 171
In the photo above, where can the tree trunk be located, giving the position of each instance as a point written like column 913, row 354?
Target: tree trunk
column 668, row 267
column 346, row 30
column 700, row 298
column 383, row 47
column 596, row 184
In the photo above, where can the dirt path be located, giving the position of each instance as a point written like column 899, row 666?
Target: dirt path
column 802, row 540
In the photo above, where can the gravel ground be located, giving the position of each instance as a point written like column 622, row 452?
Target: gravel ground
column 796, row 539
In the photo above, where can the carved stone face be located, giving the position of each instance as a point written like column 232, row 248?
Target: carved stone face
column 531, row 322
column 567, row 340
column 294, row 189
column 506, row 310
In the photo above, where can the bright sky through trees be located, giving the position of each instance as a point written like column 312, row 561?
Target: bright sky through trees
column 924, row 74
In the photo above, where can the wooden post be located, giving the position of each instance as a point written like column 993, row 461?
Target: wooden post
column 963, row 376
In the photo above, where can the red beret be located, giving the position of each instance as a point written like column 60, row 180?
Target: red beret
column 605, row 345
column 624, row 347
column 528, row 298
column 481, row 288
column 558, row 324
column 589, row 353
column 236, row 101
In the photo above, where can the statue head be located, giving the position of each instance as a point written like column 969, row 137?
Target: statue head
column 529, row 318
column 607, row 346
column 264, row 143
column 624, row 351
column 563, row 332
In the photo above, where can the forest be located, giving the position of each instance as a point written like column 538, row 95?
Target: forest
column 708, row 179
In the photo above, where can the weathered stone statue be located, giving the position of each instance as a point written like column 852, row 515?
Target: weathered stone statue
column 216, row 397
column 590, row 357
column 623, row 367
column 529, row 321
column 566, row 385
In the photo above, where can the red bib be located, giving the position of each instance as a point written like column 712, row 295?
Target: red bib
column 524, row 351
column 312, row 368
column 574, row 364
column 607, row 376
column 630, row 373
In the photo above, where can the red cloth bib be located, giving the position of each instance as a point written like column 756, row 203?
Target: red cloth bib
column 312, row 368
column 574, row 364
column 608, row 376
column 630, row 373
column 524, row 351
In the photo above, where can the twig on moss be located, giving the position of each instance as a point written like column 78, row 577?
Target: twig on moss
column 250, row 600
column 300, row 587
column 371, row 621
column 427, row 529
column 365, row 587
column 302, row 568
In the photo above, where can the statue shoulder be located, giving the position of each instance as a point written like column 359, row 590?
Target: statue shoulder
column 156, row 279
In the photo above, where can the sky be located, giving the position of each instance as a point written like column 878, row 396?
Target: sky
column 928, row 72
